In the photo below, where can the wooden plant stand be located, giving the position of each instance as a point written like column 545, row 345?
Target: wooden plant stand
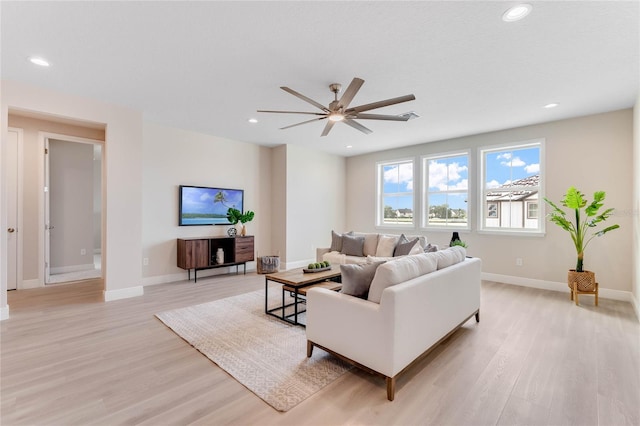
column 575, row 292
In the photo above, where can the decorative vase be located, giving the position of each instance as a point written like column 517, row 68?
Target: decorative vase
column 586, row 280
column 243, row 231
column 220, row 256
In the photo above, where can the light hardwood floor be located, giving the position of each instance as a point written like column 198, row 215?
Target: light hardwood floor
column 534, row 359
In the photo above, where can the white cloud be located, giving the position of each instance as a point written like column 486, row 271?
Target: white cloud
column 532, row 168
column 506, row 156
column 205, row 197
column 403, row 175
column 493, row 184
column 515, row 162
column 443, row 176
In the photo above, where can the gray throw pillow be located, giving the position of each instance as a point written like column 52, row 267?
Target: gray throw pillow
column 352, row 246
column 336, row 240
column 356, row 278
column 404, row 246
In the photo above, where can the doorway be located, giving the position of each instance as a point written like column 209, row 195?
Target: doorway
column 73, row 209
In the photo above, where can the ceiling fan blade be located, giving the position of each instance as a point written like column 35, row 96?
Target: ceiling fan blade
column 381, row 104
column 304, row 122
column 356, row 125
column 380, row 117
column 292, row 112
column 351, row 91
column 328, row 127
column 304, row 98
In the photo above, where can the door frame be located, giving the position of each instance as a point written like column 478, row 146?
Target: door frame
column 43, row 205
column 18, row 199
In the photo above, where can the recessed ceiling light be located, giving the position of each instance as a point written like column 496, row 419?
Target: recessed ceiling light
column 516, row 13
column 253, row 120
column 39, row 61
column 551, row 105
column 349, row 146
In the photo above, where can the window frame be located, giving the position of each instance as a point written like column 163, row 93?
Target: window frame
column 424, row 169
column 482, row 204
column 380, row 224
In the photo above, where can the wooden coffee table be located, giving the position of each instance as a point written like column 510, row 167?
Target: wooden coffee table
column 297, row 282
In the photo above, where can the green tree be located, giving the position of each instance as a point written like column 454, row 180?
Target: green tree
column 389, row 213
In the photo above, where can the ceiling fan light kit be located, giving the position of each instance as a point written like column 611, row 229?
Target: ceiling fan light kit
column 339, row 111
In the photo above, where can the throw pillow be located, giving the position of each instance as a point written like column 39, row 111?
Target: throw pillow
column 356, row 279
column 404, row 246
column 398, row 271
column 352, row 246
column 336, row 240
column 386, row 245
column 430, row 248
column 370, row 243
column 422, row 240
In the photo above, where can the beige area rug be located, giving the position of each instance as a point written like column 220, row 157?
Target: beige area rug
column 266, row 355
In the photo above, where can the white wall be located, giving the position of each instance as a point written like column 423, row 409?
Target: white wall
column 315, row 202
column 635, row 212
column 592, row 153
column 279, row 203
column 173, row 157
column 122, row 247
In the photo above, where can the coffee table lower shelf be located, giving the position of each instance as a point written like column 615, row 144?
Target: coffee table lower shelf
column 297, row 288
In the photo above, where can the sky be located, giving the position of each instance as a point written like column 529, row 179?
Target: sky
column 200, row 200
column 452, row 173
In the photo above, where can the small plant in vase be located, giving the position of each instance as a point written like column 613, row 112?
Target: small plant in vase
column 578, row 279
column 234, row 216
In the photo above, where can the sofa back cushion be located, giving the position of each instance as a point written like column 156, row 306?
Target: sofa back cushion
column 398, row 271
column 450, row 256
column 356, row 279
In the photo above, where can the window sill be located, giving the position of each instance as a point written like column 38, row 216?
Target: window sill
column 512, row 233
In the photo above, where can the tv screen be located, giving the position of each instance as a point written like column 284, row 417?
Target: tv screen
column 201, row 205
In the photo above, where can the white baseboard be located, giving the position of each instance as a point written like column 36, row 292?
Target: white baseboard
column 298, row 264
column 27, row 284
column 72, row 268
column 123, row 293
column 605, row 293
column 4, row 313
column 183, row 276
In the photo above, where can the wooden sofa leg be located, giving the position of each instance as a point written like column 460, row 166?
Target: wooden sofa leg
column 478, row 316
column 309, row 348
column 391, row 388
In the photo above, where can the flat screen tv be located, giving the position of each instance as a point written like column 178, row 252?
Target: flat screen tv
column 201, row 205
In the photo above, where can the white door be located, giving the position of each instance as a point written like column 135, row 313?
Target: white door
column 12, row 207
column 47, row 225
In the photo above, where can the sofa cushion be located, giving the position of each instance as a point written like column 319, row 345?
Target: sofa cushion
column 422, row 240
column 430, row 248
column 356, row 279
column 450, row 256
column 337, row 258
column 336, row 240
column 370, row 243
column 404, row 246
column 352, row 245
column 386, row 245
column 398, row 271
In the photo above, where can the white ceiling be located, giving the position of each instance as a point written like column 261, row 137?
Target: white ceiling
column 208, row 66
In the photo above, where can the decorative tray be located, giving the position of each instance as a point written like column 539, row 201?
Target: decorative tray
column 308, row 271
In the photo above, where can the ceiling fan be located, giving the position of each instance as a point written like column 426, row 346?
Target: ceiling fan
column 338, row 110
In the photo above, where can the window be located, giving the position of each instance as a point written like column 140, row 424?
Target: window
column 511, row 188
column 395, row 193
column 446, row 191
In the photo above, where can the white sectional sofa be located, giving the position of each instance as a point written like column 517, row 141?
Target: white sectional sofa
column 373, row 245
column 421, row 302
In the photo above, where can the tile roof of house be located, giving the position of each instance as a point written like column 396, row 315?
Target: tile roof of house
column 501, row 193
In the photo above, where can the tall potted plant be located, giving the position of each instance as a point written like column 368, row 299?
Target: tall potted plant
column 586, row 217
column 234, row 216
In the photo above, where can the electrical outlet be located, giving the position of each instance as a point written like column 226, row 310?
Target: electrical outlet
column 518, row 261
column 145, row 261
column 83, row 252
